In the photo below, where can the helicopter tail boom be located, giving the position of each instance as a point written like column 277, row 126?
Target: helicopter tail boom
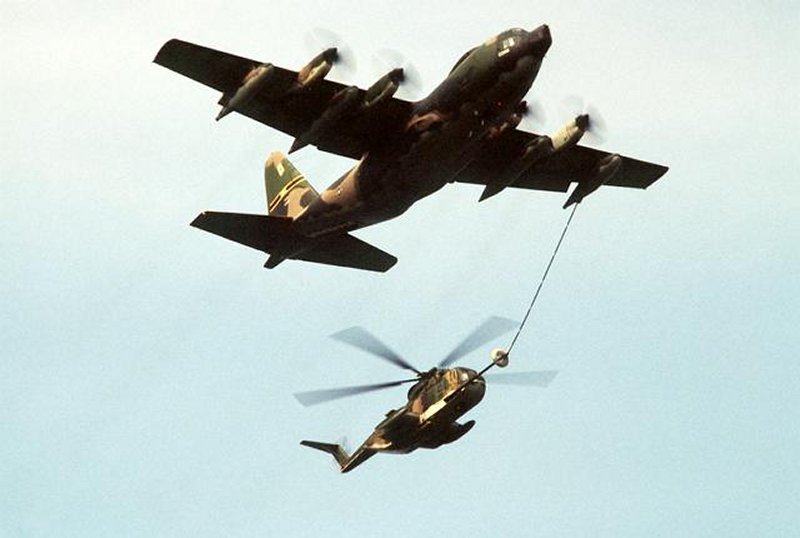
column 345, row 461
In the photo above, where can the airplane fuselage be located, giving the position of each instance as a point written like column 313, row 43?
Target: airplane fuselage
column 481, row 96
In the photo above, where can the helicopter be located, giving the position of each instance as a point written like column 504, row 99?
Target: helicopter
column 436, row 400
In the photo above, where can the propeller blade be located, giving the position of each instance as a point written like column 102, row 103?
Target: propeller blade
column 597, row 125
column 573, row 106
column 540, row 378
column 322, row 38
column 387, row 59
column 314, row 397
column 364, row 340
column 486, row 331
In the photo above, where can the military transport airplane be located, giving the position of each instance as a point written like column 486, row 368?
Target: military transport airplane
column 464, row 131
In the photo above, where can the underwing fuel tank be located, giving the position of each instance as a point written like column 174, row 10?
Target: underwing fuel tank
column 605, row 169
column 253, row 82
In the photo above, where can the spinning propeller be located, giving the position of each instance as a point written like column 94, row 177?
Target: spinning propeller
column 490, row 329
column 322, row 38
column 587, row 117
column 383, row 61
column 410, row 82
column 533, row 114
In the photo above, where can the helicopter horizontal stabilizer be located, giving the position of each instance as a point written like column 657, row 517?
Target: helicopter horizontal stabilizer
column 346, row 462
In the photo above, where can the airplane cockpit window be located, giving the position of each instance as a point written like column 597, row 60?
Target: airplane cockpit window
column 506, row 45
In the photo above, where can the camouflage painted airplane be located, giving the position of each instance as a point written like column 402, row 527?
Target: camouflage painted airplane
column 438, row 398
column 464, row 131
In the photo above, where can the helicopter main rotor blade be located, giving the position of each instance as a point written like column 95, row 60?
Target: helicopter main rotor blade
column 362, row 339
column 486, row 331
column 314, row 397
column 540, row 378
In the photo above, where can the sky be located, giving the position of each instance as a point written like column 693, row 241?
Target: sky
column 147, row 368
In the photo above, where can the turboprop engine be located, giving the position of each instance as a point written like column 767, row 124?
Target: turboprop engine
column 318, row 68
column 384, row 88
column 349, row 102
column 571, row 133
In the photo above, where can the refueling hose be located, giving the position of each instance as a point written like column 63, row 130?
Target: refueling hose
column 544, row 276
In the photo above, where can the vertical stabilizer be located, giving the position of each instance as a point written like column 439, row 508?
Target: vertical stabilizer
column 288, row 192
column 345, row 461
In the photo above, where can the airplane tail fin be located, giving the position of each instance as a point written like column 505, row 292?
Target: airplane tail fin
column 288, row 192
column 345, row 461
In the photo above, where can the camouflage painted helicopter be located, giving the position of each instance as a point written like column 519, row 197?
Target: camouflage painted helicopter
column 438, row 398
column 464, row 131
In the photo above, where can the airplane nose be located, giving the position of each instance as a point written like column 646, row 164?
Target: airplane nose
column 540, row 40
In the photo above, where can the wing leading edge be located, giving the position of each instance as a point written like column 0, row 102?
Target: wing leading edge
column 281, row 104
column 557, row 171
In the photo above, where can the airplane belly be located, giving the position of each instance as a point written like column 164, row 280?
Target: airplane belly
column 391, row 183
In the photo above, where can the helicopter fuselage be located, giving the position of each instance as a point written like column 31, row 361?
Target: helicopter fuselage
column 429, row 418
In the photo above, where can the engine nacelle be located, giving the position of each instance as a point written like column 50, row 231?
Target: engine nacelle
column 571, row 133
column 318, row 68
column 346, row 102
column 252, row 84
column 508, row 122
column 384, row 88
column 605, row 169
column 500, row 357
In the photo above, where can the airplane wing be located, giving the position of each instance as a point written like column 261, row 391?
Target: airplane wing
column 556, row 172
column 292, row 112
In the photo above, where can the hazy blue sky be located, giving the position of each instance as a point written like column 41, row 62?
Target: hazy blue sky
column 147, row 368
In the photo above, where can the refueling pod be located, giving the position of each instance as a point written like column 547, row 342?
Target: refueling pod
column 252, row 84
column 605, row 169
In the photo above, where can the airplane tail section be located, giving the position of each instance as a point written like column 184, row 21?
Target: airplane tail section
column 345, row 461
column 288, row 192
column 277, row 237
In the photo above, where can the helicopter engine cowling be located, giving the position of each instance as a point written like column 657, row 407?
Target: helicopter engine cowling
column 500, row 357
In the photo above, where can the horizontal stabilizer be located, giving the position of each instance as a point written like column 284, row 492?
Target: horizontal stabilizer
column 260, row 232
column 276, row 236
column 348, row 251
